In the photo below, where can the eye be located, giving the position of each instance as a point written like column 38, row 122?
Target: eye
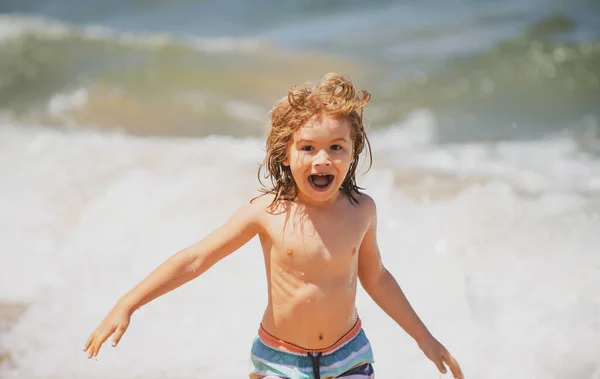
column 335, row 147
column 306, row 148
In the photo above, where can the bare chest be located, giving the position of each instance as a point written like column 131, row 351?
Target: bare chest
column 314, row 244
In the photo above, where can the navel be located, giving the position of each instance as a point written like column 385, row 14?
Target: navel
column 321, row 336
column 353, row 251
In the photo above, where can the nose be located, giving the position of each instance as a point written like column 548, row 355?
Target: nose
column 322, row 158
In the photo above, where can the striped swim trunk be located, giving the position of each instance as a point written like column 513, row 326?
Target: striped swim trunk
column 350, row 357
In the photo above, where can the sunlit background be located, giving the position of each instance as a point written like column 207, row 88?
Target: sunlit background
column 130, row 129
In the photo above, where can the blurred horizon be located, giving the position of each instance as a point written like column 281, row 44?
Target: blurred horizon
column 492, row 71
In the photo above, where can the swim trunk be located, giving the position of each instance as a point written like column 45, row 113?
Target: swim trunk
column 350, row 357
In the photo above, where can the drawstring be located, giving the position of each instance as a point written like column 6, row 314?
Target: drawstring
column 316, row 363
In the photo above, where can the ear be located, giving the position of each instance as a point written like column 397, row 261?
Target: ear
column 286, row 160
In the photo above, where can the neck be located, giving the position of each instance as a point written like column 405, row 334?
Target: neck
column 310, row 203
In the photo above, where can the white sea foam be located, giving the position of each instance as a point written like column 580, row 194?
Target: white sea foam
column 15, row 26
column 63, row 102
column 508, row 283
column 554, row 164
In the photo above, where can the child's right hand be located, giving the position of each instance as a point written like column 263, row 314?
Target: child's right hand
column 116, row 322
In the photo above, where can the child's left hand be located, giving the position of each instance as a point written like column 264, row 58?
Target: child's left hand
column 439, row 355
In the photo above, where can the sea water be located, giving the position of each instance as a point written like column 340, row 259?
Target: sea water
column 123, row 140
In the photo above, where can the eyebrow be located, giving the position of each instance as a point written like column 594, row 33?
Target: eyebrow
column 311, row 141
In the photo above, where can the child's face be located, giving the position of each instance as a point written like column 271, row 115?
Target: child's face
column 319, row 157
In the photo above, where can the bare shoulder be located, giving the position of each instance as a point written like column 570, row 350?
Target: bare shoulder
column 262, row 206
column 252, row 212
column 262, row 202
column 271, row 207
column 366, row 204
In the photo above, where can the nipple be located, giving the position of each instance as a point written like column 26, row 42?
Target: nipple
column 290, row 251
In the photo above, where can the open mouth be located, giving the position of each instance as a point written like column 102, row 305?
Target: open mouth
column 320, row 182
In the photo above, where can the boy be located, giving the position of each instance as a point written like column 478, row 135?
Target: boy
column 318, row 236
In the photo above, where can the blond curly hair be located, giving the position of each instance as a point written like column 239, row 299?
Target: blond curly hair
column 334, row 96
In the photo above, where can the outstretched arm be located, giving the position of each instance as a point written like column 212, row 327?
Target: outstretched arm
column 383, row 288
column 180, row 268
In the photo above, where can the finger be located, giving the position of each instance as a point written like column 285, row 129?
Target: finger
column 97, row 349
column 118, row 334
column 88, row 342
column 92, row 346
column 440, row 365
column 100, row 341
column 91, row 350
column 94, row 349
column 454, row 366
column 99, row 345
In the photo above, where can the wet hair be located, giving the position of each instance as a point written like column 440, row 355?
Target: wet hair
column 334, row 96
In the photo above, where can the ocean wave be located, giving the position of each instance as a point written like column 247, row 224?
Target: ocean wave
column 17, row 26
column 529, row 85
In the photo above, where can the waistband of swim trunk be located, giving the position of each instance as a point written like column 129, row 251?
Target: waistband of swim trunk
column 275, row 343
